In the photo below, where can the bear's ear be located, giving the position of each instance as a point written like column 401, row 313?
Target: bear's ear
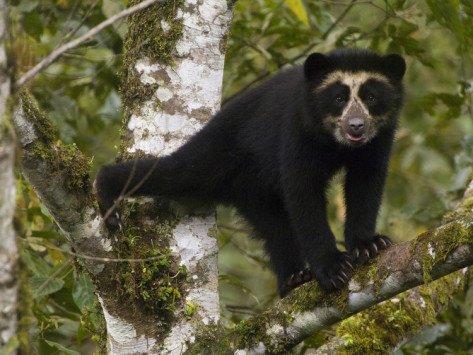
column 315, row 64
column 394, row 65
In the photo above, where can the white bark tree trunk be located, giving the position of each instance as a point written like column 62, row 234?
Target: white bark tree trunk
column 188, row 91
column 8, row 249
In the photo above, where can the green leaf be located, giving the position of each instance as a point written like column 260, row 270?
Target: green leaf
column 447, row 13
column 42, row 286
column 297, row 7
column 33, row 25
column 61, row 348
column 46, row 234
column 38, row 266
column 83, row 293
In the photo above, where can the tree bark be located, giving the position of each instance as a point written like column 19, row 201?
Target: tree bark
column 383, row 327
column 179, row 80
column 8, row 248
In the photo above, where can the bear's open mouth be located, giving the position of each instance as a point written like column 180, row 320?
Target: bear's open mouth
column 355, row 137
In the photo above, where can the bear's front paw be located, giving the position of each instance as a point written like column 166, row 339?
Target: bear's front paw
column 295, row 280
column 364, row 250
column 335, row 273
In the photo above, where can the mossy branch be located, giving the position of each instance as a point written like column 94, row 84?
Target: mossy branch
column 307, row 309
column 385, row 326
column 59, row 174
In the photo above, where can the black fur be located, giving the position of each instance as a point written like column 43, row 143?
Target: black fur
column 268, row 153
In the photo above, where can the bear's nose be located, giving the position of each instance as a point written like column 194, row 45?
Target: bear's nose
column 356, row 124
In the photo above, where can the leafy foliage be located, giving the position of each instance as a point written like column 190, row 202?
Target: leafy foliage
column 59, row 306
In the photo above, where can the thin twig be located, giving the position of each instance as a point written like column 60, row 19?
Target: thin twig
column 90, row 257
column 337, row 21
column 82, row 21
column 68, row 46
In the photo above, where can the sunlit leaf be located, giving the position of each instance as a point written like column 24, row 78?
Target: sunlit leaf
column 297, row 7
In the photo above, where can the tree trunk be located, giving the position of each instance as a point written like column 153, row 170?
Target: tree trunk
column 8, row 249
column 174, row 56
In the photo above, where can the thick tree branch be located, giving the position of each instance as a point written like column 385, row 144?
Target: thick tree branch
column 433, row 255
column 47, row 61
column 59, row 175
column 385, row 326
column 173, row 69
column 307, row 309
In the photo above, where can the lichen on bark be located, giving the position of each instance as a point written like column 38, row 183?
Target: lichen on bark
column 151, row 34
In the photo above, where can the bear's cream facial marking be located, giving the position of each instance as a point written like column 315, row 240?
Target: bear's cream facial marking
column 352, row 79
column 356, row 125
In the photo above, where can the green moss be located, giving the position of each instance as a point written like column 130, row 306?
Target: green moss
column 436, row 246
column 155, row 284
column 439, row 292
column 210, row 340
column 380, row 328
column 309, row 295
column 468, row 203
column 249, row 333
column 64, row 159
column 465, row 209
column 147, row 37
column 190, row 308
column 44, row 129
column 153, row 289
column 365, row 273
column 67, row 160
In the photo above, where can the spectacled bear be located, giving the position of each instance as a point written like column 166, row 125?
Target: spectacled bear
column 272, row 151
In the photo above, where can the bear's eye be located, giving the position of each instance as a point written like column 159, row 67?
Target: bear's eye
column 371, row 98
column 340, row 99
